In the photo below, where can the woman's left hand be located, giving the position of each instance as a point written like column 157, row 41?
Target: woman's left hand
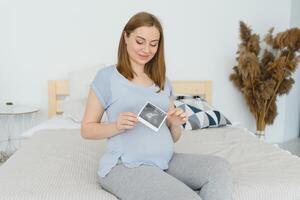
column 176, row 117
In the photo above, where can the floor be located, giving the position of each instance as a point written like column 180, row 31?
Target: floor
column 293, row 146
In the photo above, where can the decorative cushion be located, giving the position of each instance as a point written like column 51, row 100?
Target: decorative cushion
column 200, row 113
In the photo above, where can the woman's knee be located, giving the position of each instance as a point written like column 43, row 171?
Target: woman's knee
column 221, row 169
column 103, row 183
column 221, row 163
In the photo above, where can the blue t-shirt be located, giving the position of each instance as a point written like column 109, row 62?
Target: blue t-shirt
column 139, row 145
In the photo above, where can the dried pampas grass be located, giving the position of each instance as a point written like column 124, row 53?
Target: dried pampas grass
column 261, row 78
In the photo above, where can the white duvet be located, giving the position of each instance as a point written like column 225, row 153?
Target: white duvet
column 59, row 164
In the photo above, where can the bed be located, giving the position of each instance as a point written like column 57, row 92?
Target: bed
column 54, row 162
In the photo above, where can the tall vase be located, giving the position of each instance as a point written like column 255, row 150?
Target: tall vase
column 260, row 135
column 260, row 127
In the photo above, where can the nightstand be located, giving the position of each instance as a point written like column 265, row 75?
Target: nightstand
column 14, row 119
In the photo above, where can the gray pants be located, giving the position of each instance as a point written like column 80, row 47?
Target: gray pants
column 201, row 177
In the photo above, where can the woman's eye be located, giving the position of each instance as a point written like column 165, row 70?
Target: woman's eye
column 139, row 42
column 153, row 45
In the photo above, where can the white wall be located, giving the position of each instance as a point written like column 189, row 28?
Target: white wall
column 286, row 124
column 292, row 113
column 43, row 40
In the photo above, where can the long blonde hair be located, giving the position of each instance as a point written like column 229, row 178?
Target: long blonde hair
column 155, row 68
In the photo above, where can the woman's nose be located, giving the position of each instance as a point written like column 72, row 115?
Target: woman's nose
column 146, row 49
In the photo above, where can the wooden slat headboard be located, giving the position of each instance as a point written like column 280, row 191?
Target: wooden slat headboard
column 58, row 89
column 202, row 88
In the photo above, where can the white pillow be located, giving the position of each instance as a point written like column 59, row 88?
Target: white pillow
column 80, row 80
column 55, row 122
column 74, row 109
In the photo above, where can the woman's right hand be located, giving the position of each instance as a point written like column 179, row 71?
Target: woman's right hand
column 126, row 120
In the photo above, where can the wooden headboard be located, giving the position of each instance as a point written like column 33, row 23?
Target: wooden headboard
column 59, row 89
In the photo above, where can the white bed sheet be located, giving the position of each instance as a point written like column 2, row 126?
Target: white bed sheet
column 261, row 171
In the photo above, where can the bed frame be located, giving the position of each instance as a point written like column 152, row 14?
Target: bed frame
column 59, row 89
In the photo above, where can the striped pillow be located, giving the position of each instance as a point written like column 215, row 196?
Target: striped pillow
column 200, row 113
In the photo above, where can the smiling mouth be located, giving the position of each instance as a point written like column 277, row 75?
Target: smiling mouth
column 142, row 56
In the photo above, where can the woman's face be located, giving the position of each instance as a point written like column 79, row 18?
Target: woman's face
column 142, row 44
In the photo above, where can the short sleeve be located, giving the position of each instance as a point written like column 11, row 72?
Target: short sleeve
column 101, row 85
column 169, row 86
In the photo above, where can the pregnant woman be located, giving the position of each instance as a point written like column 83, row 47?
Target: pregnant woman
column 140, row 163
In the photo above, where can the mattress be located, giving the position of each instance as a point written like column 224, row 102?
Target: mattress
column 59, row 164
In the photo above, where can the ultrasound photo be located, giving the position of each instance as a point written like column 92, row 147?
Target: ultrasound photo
column 152, row 116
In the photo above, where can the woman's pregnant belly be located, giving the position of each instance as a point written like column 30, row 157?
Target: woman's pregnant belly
column 143, row 144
